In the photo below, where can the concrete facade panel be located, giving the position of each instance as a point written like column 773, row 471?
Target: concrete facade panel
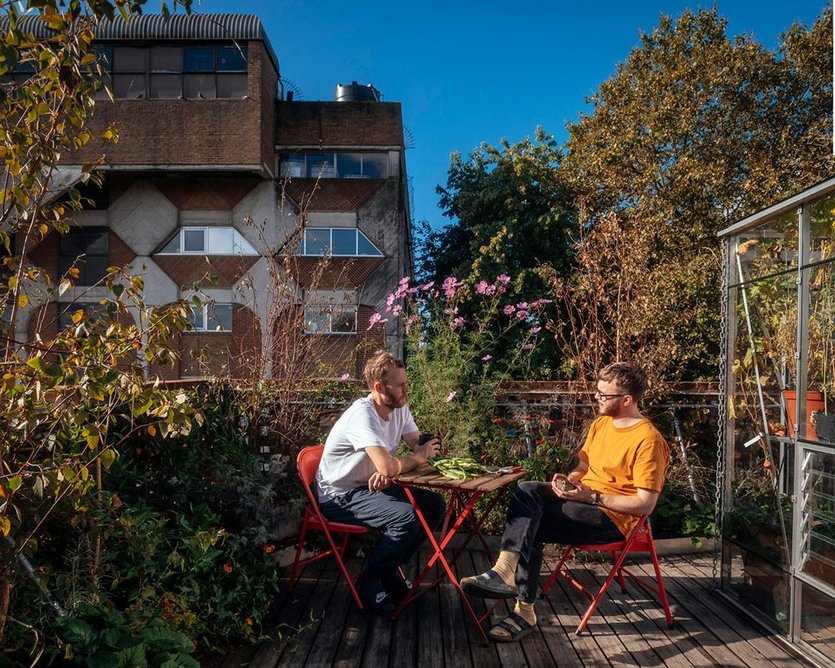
column 143, row 217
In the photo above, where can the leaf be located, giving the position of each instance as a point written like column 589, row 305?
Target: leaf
column 22, row 300
column 64, row 285
column 14, row 483
column 152, row 430
column 5, row 525
column 107, row 458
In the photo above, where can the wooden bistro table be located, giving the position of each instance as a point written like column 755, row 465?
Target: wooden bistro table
column 464, row 494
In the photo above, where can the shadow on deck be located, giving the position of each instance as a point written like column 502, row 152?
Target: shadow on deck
column 319, row 625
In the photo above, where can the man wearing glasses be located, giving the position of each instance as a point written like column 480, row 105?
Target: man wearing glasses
column 354, row 479
column 619, row 476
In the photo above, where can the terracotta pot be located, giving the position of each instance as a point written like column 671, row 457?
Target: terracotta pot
column 814, row 402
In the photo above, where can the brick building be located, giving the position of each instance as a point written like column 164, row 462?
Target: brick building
column 290, row 220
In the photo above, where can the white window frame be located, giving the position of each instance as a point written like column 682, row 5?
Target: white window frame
column 203, row 328
column 317, row 310
column 240, row 245
column 356, row 253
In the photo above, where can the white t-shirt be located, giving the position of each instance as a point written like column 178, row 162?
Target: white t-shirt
column 345, row 465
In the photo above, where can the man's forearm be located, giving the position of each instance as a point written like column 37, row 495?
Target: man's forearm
column 627, row 503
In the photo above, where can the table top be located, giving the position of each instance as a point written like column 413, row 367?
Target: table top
column 429, row 477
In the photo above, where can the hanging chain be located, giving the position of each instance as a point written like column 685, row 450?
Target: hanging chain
column 723, row 413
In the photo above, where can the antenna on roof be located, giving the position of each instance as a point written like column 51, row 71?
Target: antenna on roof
column 289, row 90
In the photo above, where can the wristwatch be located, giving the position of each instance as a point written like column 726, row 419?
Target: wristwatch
column 595, row 499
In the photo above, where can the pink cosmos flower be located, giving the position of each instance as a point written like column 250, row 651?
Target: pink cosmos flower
column 345, row 376
column 504, row 279
column 396, row 309
column 486, row 358
column 428, row 285
column 522, row 314
column 535, row 330
column 484, row 288
column 522, row 305
column 451, row 396
column 458, row 322
column 507, row 310
column 376, row 319
column 451, row 311
column 449, row 286
column 527, row 346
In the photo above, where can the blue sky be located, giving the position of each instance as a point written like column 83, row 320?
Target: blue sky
column 468, row 72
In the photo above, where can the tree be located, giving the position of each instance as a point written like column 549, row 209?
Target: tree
column 66, row 402
column 692, row 132
column 510, row 216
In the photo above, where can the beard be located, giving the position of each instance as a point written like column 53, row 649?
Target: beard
column 612, row 409
column 391, row 402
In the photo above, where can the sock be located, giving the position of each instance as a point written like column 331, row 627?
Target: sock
column 525, row 611
column 506, row 566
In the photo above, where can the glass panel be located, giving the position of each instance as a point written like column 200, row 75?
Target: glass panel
column 95, row 269
column 817, row 623
column 128, row 59
column 101, row 94
column 317, row 240
column 128, row 85
column 173, row 245
column 375, row 165
column 349, row 165
column 231, row 59
column 292, row 165
column 818, row 516
column 219, row 318
column 344, row 320
column 320, row 165
column 104, row 54
column 316, row 320
column 221, row 240
column 96, row 240
column 242, row 246
column 821, row 336
column 198, row 59
column 767, row 249
column 196, row 319
column 194, row 241
column 167, row 86
column 231, row 85
column 199, row 85
column 166, row 59
column 365, row 247
column 344, row 241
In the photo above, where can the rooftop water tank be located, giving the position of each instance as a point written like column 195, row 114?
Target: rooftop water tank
column 355, row 92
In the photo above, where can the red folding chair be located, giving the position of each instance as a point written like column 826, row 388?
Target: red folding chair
column 638, row 540
column 306, row 464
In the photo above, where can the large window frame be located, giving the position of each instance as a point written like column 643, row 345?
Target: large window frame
column 214, row 318
column 185, row 241
column 333, row 241
column 175, row 71
column 335, row 165
column 332, row 319
column 88, row 250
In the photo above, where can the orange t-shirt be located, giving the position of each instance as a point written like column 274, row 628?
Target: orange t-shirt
column 622, row 460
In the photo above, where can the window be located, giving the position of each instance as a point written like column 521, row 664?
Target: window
column 207, row 241
column 337, row 241
column 330, row 319
column 170, row 71
column 335, row 165
column 212, row 318
column 87, row 249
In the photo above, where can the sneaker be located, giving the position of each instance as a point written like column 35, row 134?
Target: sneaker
column 398, row 587
column 375, row 597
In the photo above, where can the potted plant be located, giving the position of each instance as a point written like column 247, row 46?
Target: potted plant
column 823, row 321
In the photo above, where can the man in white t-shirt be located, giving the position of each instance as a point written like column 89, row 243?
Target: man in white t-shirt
column 354, row 479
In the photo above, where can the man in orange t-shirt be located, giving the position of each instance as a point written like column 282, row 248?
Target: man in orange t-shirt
column 618, row 478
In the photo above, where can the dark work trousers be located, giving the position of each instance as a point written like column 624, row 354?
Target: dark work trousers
column 391, row 512
column 537, row 516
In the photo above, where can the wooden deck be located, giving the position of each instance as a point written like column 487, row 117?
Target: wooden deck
column 318, row 625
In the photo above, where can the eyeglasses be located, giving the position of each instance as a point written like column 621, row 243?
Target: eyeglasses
column 606, row 397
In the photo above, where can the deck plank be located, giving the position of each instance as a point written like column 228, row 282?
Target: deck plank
column 323, row 628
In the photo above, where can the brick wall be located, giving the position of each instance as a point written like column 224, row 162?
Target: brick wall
column 203, row 193
column 217, row 271
column 319, row 273
column 339, row 124
column 331, row 194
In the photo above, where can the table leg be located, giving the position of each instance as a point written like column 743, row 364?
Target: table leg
column 439, row 555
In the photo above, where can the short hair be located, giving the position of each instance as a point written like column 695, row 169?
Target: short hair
column 628, row 376
column 377, row 368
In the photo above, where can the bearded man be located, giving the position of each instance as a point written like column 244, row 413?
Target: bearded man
column 354, row 479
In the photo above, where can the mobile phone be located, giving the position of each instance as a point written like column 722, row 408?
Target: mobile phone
column 566, row 485
column 425, row 438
